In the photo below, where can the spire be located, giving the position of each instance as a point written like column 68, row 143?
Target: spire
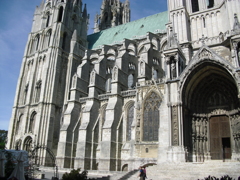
column 113, row 13
column 172, row 38
column 84, row 15
column 236, row 25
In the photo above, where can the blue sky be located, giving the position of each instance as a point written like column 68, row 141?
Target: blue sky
column 15, row 25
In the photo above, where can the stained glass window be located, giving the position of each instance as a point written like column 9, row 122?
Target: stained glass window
column 151, row 118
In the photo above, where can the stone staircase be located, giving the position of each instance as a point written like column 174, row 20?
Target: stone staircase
column 191, row 171
column 112, row 175
column 172, row 171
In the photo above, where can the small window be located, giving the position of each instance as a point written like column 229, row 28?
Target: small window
column 195, row 5
column 210, row 3
column 32, row 122
column 60, row 14
column 48, row 19
column 130, row 81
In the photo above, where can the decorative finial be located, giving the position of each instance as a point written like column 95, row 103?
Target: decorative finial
column 203, row 39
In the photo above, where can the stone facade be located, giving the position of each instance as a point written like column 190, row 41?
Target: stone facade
column 169, row 94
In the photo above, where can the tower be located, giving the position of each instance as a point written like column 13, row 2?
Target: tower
column 54, row 49
column 113, row 13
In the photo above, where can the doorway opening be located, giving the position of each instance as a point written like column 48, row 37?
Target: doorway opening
column 220, row 145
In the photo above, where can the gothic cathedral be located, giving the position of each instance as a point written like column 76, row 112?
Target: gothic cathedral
column 162, row 88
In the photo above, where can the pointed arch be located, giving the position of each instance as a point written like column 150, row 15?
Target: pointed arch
column 35, row 43
column 18, row 144
column 19, row 124
column 47, row 18
column 27, row 145
column 150, row 122
column 204, row 55
column 209, row 87
column 60, row 14
column 47, row 38
column 32, row 122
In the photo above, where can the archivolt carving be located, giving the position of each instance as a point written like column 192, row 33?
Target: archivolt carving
column 192, row 66
column 205, row 54
column 218, row 112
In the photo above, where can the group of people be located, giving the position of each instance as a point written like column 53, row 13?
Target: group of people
column 142, row 173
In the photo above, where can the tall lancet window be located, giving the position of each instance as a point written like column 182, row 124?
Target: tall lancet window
column 151, row 118
column 130, row 116
column 195, row 5
column 38, row 91
column 32, row 122
column 35, row 43
column 60, row 14
column 48, row 19
column 24, row 98
column 47, row 38
column 19, row 123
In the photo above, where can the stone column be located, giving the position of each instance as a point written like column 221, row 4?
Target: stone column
column 108, row 150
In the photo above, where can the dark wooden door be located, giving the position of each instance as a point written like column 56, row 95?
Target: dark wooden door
column 220, row 146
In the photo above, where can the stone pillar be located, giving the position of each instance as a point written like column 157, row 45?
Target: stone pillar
column 84, row 143
column 107, row 160
column 168, row 67
column 176, row 152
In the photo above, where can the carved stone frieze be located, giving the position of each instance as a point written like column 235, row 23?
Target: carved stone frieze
column 175, row 133
column 218, row 112
column 205, row 54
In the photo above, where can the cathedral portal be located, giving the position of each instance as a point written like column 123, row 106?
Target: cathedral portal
column 210, row 99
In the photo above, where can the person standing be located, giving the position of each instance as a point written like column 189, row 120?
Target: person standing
column 141, row 173
column 145, row 172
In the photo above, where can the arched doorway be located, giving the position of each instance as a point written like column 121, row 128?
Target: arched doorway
column 28, row 144
column 208, row 95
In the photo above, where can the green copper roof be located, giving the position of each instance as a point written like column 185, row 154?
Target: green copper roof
column 129, row 30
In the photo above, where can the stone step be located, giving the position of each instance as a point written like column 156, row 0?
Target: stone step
column 170, row 171
column 191, row 171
